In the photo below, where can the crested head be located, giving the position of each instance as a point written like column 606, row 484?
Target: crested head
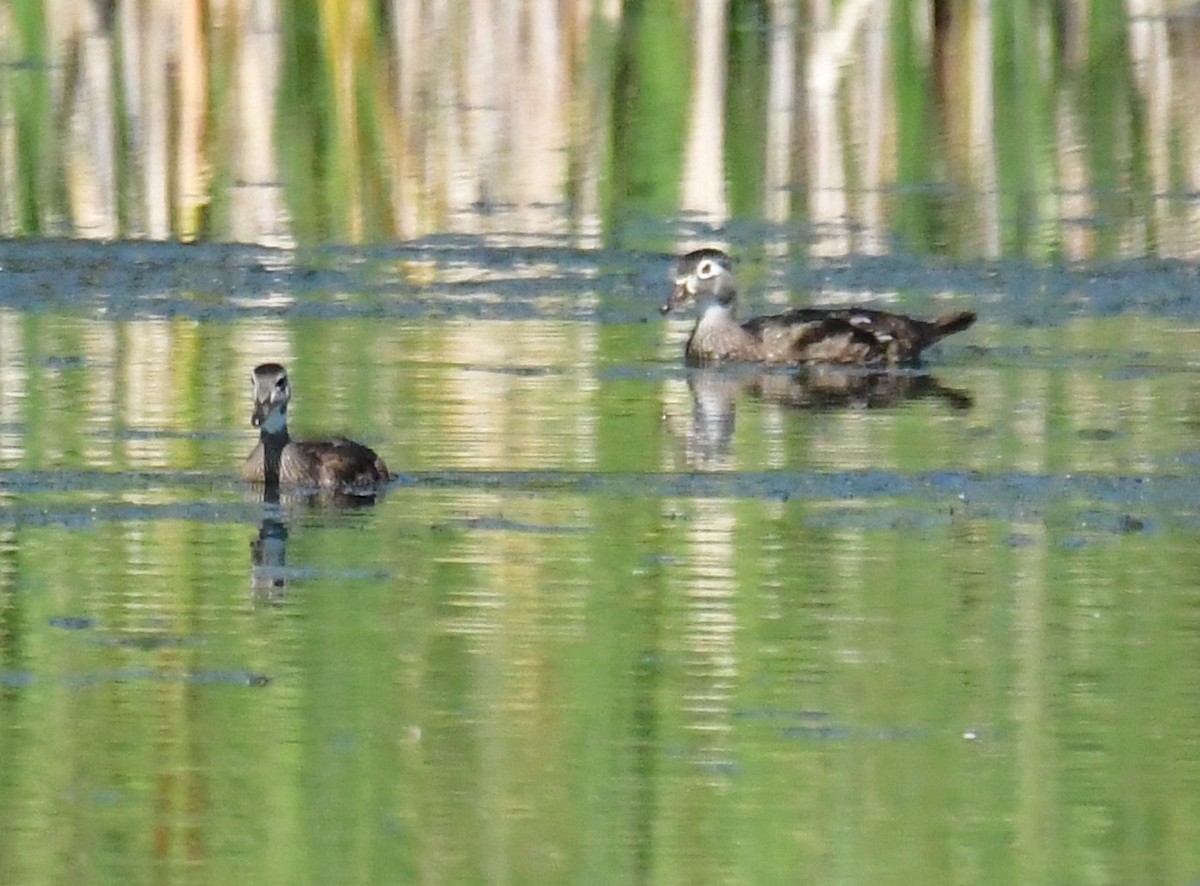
column 705, row 276
column 689, row 262
column 272, row 391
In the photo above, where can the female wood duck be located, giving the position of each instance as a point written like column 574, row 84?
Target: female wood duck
column 803, row 335
column 334, row 464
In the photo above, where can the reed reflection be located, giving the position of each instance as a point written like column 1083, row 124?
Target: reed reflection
column 934, row 124
column 712, row 664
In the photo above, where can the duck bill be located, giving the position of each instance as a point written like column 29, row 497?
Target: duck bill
column 679, row 297
column 262, row 408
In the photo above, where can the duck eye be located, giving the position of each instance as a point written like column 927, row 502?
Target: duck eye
column 281, row 384
column 706, row 269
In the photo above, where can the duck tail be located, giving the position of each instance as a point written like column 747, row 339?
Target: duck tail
column 948, row 324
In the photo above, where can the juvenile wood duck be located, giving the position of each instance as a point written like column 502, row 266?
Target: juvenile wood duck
column 335, row 464
column 803, row 335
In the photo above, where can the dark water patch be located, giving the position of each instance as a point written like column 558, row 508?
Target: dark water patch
column 1128, row 523
column 778, row 715
column 1114, row 366
column 131, row 277
column 165, row 434
column 814, row 725
column 1127, row 500
column 314, row 511
column 900, row 519
column 1113, row 505
column 315, row 573
column 72, row 622
column 27, row 255
column 519, row 371
column 468, row 277
column 1114, row 523
column 62, row 363
column 967, row 491
column 1143, row 370
column 146, row 641
column 652, row 372
column 16, row 679
column 502, row 524
column 834, row 732
column 77, row 481
column 92, row 679
column 1020, row 540
column 821, row 732
column 88, row 680
column 420, row 279
column 653, row 560
column 1035, row 294
column 79, row 517
column 221, row 282
column 963, row 487
column 843, row 733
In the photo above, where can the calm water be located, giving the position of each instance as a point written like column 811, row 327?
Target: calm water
column 615, row 621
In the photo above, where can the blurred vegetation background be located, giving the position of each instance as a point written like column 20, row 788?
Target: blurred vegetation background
column 1048, row 129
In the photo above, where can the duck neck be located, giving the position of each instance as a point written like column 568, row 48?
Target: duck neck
column 717, row 314
column 274, row 438
column 718, row 336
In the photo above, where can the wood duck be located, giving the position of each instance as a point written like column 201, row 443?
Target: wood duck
column 803, row 335
column 335, row 464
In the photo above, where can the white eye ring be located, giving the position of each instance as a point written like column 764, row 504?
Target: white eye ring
column 706, row 269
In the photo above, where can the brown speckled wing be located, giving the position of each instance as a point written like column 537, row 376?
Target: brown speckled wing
column 836, row 340
column 814, row 336
column 253, row 469
column 883, row 337
column 341, row 463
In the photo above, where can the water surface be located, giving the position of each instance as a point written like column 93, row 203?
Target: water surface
column 615, row 620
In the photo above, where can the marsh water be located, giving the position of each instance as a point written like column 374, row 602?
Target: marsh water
column 615, row 620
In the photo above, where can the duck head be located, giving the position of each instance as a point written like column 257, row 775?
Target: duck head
column 704, row 276
column 272, row 391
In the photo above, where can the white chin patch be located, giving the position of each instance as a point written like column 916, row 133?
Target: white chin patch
column 714, row 312
column 276, row 421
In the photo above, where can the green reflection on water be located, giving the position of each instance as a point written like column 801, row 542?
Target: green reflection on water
column 614, row 676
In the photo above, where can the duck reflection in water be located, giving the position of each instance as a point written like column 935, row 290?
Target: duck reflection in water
column 268, row 553
column 715, row 391
column 335, row 472
column 269, row 573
